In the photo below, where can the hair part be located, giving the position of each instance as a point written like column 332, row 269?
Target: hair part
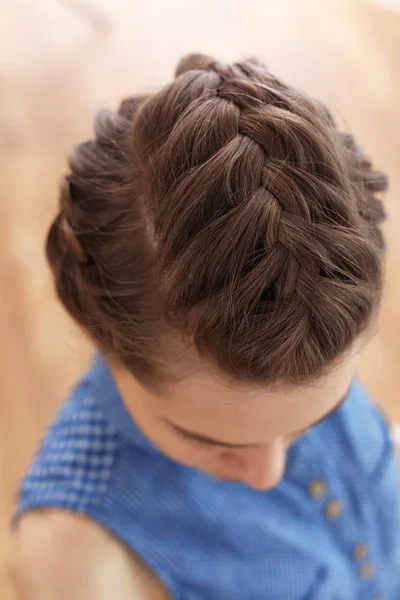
column 225, row 215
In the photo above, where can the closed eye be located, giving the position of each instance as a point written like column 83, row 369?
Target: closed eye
column 194, row 441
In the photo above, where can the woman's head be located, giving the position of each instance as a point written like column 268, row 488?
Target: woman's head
column 222, row 228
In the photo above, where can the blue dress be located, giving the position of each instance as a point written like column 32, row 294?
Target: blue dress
column 329, row 531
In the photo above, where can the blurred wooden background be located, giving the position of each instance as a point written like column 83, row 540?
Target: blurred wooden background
column 62, row 59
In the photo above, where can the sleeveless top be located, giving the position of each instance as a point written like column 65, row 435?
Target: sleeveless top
column 329, row 531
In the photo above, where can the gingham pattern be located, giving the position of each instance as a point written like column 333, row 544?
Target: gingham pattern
column 75, row 463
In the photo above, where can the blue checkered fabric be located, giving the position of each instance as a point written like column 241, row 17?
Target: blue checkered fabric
column 213, row 540
column 77, row 459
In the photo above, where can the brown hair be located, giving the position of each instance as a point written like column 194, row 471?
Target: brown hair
column 225, row 211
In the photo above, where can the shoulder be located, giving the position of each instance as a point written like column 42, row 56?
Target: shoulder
column 58, row 554
column 74, row 464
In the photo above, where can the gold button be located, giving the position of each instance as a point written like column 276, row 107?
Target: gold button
column 366, row 571
column 317, row 489
column 360, row 551
column 333, row 509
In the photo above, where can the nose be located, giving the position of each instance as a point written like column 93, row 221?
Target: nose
column 261, row 467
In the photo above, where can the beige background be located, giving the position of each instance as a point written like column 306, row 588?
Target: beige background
column 60, row 60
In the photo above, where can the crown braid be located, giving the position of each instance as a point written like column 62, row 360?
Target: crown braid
column 229, row 210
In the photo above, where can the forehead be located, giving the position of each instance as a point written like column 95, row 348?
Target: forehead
column 207, row 405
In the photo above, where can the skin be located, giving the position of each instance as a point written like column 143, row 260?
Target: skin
column 237, row 433
column 230, row 432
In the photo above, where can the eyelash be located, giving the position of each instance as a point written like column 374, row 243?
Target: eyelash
column 195, row 442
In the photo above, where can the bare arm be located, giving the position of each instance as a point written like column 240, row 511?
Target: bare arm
column 63, row 556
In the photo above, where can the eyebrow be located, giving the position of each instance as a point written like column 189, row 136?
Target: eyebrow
column 212, row 442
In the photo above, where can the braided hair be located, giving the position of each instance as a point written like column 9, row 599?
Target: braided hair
column 227, row 214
